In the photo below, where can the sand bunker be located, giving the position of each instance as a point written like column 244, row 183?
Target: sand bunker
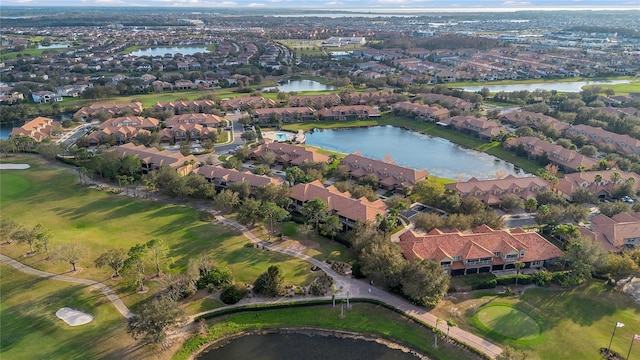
column 14, row 166
column 73, row 317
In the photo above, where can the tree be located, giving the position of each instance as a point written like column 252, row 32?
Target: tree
column 450, row 324
column 8, row 227
column 249, row 212
column 226, row 200
column 26, row 236
column 114, row 259
column 617, row 266
column 71, row 253
column 331, row 226
column 271, row 282
column 151, row 324
column 518, row 265
column 43, row 237
column 315, row 211
column 424, row 282
column 428, row 221
column 273, row 212
column 583, row 195
column 512, row 202
column 158, row 251
column 135, row 264
column 577, row 212
column 531, row 204
column 382, row 261
column 583, row 256
column 612, row 208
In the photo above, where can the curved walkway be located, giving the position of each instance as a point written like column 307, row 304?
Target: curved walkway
column 358, row 288
column 107, row 291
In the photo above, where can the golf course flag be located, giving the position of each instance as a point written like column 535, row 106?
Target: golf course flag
column 618, row 324
column 635, row 337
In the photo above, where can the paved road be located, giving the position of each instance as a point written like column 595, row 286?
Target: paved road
column 110, row 294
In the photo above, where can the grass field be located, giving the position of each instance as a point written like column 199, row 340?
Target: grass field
column 507, row 321
column 573, row 323
column 102, row 220
column 385, row 323
column 31, row 330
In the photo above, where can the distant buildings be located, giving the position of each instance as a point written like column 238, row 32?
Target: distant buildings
column 390, row 175
column 491, row 192
column 37, row 129
column 152, row 159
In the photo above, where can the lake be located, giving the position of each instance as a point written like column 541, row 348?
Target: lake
column 160, row 51
column 54, row 46
column 573, row 86
column 439, row 156
column 301, row 346
column 299, row 86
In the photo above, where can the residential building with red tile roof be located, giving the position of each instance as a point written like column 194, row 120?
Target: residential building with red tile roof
column 533, row 120
column 113, row 110
column 349, row 112
column 622, row 143
column 587, row 179
column 206, row 120
column 288, row 154
column 222, row 177
column 349, row 210
column 491, row 192
column 182, row 106
column 122, row 129
column 153, row 159
column 454, row 102
column 480, row 251
column 614, row 233
column 566, row 159
column 284, row 114
column 481, row 127
column 184, row 132
column 247, row 102
column 37, row 129
column 421, row 112
column 390, row 175
column 315, row 101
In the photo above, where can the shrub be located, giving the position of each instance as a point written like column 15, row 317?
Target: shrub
column 542, row 278
column 233, row 293
column 523, row 279
column 488, row 284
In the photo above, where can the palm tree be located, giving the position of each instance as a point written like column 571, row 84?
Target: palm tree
column 615, row 177
column 597, row 180
column 518, row 265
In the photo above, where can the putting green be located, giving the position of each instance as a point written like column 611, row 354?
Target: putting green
column 508, row 322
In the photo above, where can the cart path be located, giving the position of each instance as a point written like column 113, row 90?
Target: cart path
column 107, row 291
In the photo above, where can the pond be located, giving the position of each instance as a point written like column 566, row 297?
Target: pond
column 572, row 86
column 160, row 51
column 300, row 85
column 54, row 46
column 301, row 346
column 439, row 156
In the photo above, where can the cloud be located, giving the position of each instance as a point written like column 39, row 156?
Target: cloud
column 516, row 3
column 256, row 5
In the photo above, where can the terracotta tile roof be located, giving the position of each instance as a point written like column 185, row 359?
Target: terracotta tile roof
column 37, row 129
column 622, row 142
column 557, row 154
column 235, row 176
column 587, row 179
column 492, row 191
column 293, row 154
column 341, row 203
column 617, row 229
column 197, row 118
column 153, row 156
column 483, row 242
column 137, row 122
column 387, row 172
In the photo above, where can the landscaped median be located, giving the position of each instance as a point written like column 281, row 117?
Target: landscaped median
column 368, row 317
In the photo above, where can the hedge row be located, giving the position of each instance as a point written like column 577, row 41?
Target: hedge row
column 540, row 278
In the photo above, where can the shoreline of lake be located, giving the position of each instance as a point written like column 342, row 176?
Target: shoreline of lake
column 310, row 331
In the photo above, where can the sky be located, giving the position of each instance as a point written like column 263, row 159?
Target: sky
column 339, row 4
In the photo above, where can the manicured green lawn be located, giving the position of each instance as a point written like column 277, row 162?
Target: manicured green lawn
column 362, row 318
column 29, row 328
column 574, row 323
column 505, row 320
column 101, row 220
